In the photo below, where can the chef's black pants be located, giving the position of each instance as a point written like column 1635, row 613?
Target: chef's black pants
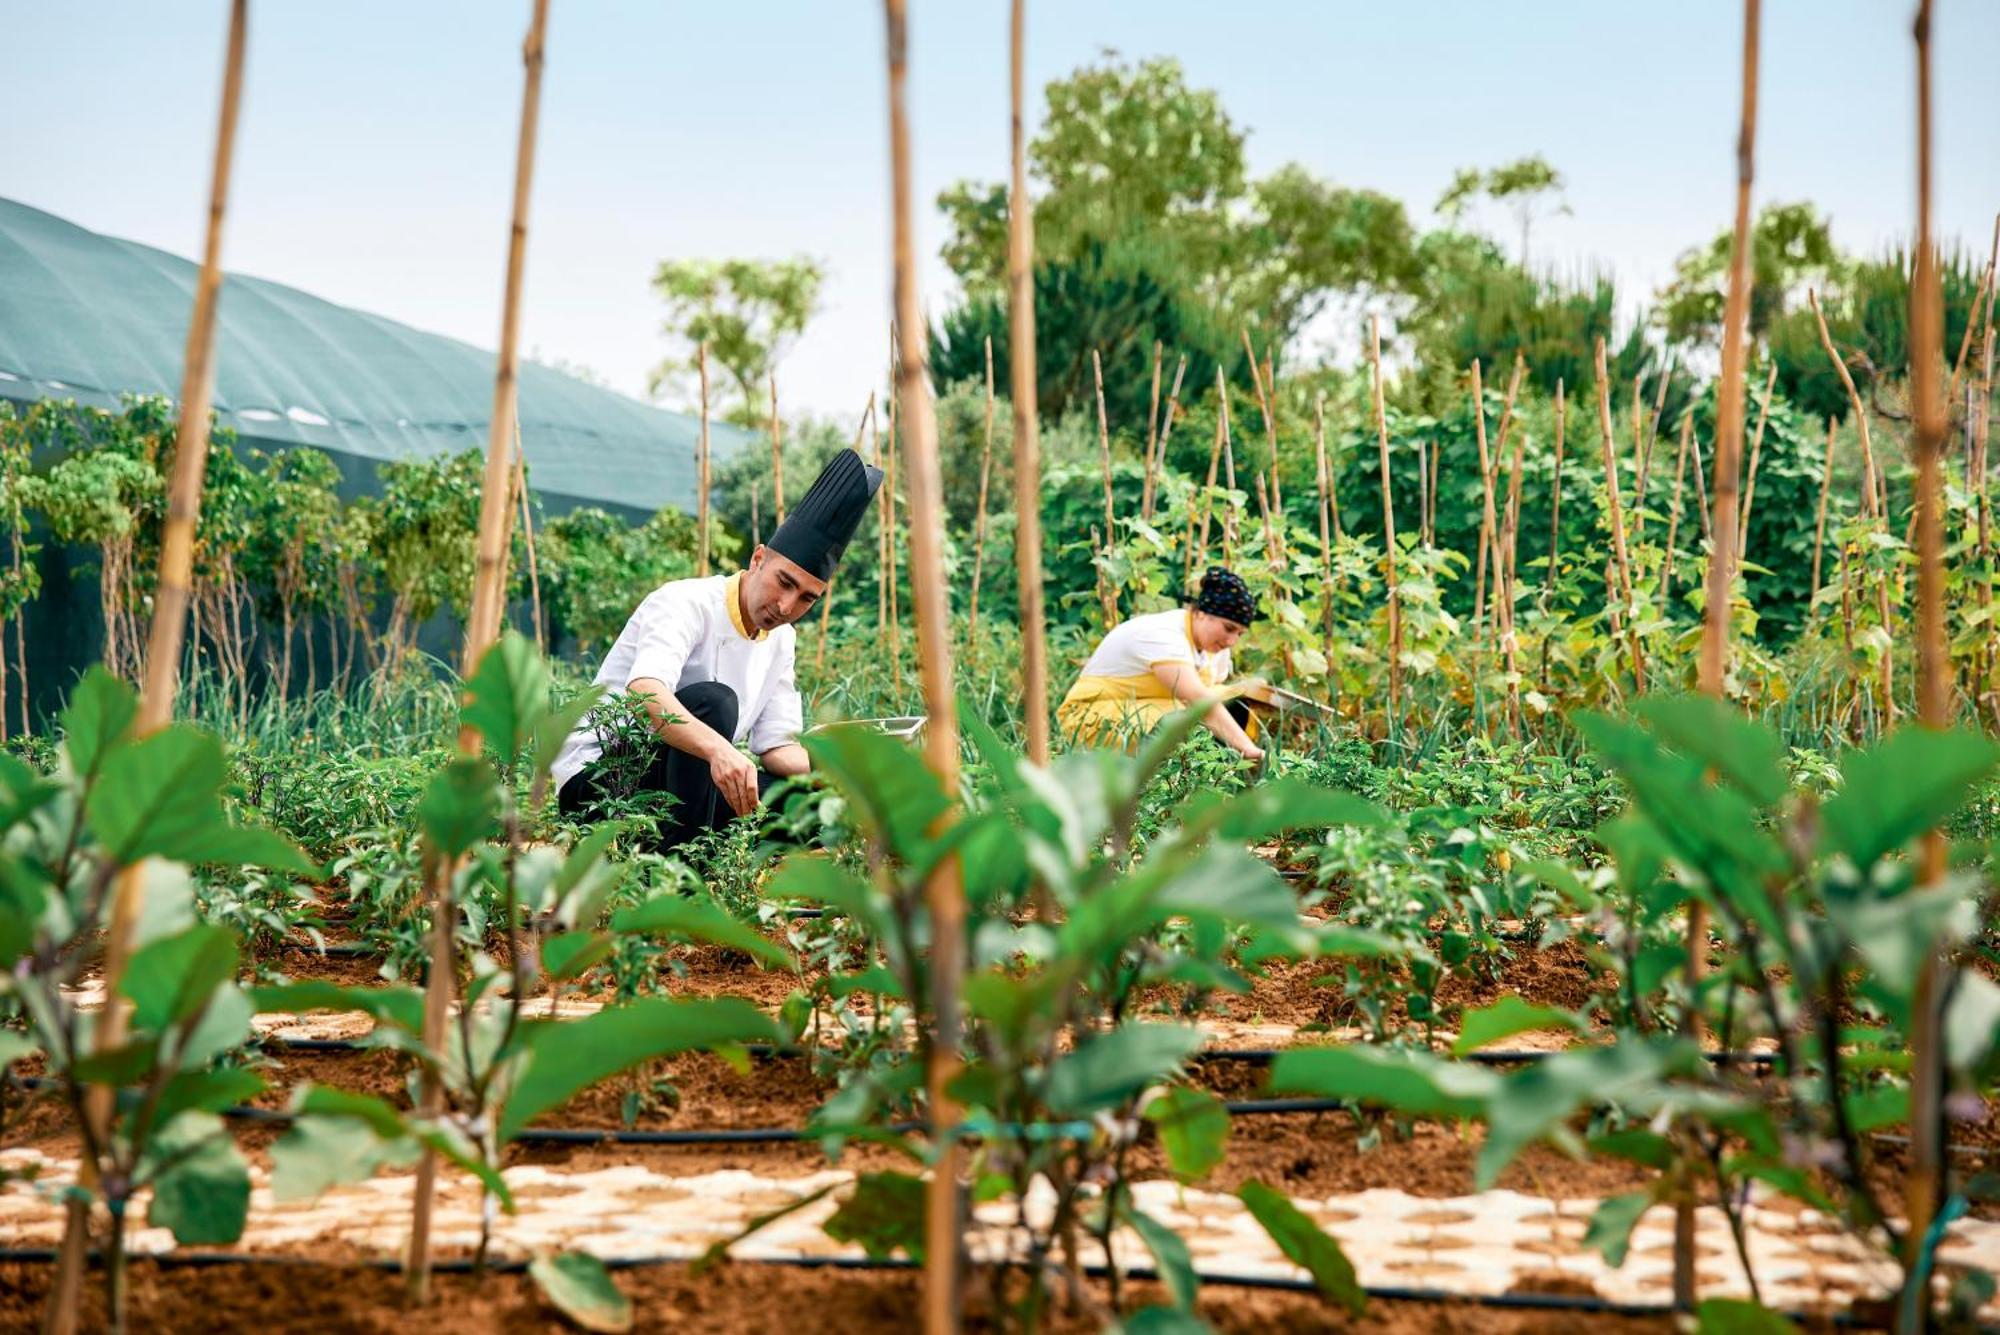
column 699, row 805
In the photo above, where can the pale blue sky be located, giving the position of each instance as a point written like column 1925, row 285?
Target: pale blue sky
column 377, row 142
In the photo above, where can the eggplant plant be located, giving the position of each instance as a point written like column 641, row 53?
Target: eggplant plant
column 1073, row 927
column 506, row 1057
column 118, row 803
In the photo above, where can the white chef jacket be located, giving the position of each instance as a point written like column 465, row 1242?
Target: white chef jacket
column 690, row 631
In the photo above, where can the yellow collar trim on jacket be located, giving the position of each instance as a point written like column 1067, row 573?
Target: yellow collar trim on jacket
column 732, row 597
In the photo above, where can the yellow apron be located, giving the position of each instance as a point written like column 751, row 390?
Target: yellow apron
column 1107, row 711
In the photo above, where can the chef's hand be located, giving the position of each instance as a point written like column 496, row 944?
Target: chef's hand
column 735, row 774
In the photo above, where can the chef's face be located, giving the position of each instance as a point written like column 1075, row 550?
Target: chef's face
column 1213, row 634
column 777, row 590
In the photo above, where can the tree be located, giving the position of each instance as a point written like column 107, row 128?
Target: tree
column 747, row 311
column 1791, row 249
column 1132, row 160
column 1523, row 185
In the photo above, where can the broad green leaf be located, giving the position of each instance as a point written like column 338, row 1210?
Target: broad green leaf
column 15, row 1045
column 159, row 798
column 894, row 797
column 1193, row 1127
column 100, row 710
column 1279, row 805
column 209, row 1091
column 203, row 1196
column 566, row 1056
column 507, row 695
column 1171, row 1258
column 1971, row 1021
column 1407, row 1082
column 1538, row 1101
column 1739, row 1316
column 460, row 806
column 1106, row 1070
column 171, row 979
column 583, row 1289
column 884, row 1213
column 1508, row 1016
column 1158, row 1320
column 317, row 1153
column 815, row 878
column 401, row 1132
column 402, row 1007
column 1903, row 785
column 22, row 791
column 699, row 918
column 126, row 1064
column 1746, row 754
column 1306, row 1244
column 1637, row 1144
column 557, row 723
column 1611, row 1225
column 572, row 954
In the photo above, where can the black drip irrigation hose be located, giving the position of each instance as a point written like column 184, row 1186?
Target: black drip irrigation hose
column 1581, row 1304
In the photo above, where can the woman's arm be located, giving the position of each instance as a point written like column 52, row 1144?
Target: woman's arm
column 1187, row 687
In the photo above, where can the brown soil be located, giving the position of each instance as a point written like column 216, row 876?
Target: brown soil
column 737, row 1299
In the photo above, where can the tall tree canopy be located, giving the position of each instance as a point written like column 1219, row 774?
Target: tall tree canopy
column 747, row 311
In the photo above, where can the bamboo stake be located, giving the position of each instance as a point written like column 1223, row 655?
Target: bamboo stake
column 777, row 458
column 1981, row 438
column 1423, row 494
column 1756, row 454
column 1510, row 545
column 1982, row 298
column 1152, row 435
column 979, row 523
column 166, row 639
column 826, row 603
column 1930, row 409
column 1027, row 446
column 1722, row 531
column 702, row 483
column 943, row 890
column 1394, row 721
column 482, row 626
column 1674, row 512
column 1324, row 477
column 1489, row 532
column 1556, row 500
column 1107, row 596
column 1620, row 560
column 756, row 523
column 1166, row 432
column 1819, row 525
column 881, row 526
column 1487, row 524
column 1652, row 439
column 1208, row 491
column 889, row 510
column 1874, row 503
column 528, row 535
column 1431, row 493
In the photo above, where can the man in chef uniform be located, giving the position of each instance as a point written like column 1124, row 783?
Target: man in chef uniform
column 714, row 660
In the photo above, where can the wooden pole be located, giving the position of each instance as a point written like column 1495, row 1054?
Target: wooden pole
column 1152, row 435
column 943, row 890
column 1027, row 445
column 1874, row 503
column 1324, row 477
column 894, row 561
column 1674, row 511
column 1394, row 721
column 1721, row 561
column 1819, row 525
column 1423, row 493
column 1621, row 562
column 1555, row 500
column 756, row 524
column 1159, row 458
column 1488, row 526
column 1200, row 552
column 482, row 626
column 702, row 483
column 1228, row 473
column 777, row 458
column 1982, row 428
column 979, row 522
column 1756, row 455
column 1106, row 595
column 1510, row 545
column 528, row 534
column 1929, row 406
column 167, row 636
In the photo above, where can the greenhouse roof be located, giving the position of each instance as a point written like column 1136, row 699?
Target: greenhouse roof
column 92, row 318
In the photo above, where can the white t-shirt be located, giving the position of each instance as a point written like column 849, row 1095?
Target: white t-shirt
column 1135, row 646
column 691, row 631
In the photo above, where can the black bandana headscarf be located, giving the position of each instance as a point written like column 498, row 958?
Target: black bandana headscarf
column 1224, row 594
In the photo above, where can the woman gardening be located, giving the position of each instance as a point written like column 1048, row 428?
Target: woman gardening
column 1150, row 666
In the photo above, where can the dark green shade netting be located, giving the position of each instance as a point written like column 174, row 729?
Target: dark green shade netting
column 90, row 317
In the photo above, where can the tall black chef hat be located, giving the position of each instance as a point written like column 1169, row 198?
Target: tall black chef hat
column 817, row 529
